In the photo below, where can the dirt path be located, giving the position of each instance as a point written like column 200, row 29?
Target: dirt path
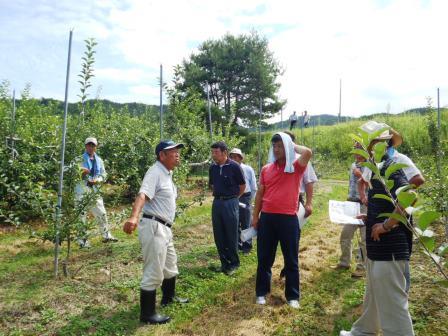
column 237, row 314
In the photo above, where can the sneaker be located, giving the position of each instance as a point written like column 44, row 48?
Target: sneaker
column 358, row 274
column 294, row 304
column 109, row 238
column 345, row 333
column 261, row 300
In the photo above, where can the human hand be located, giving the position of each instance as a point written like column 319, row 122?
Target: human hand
column 255, row 223
column 130, row 225
column 377, row 230
column 85, row 171
column 308, row 210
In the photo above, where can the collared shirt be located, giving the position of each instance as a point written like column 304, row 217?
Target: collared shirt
column 410, row 171
column 249, row 177
column 226, row 179
column 309, row 176
column 158, row 185
column 281, row 193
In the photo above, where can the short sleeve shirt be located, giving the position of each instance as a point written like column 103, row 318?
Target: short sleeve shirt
column 281, row 190
column 158, row 185
column 309, row 176
column 249, row 177
column 226, row 179
column 410, row 171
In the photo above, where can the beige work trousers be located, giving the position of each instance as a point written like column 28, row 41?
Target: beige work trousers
column 159, row 255
column 347, row 233
column 385, row 301
column 97, row 209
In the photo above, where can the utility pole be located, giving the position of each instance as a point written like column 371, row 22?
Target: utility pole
column 259, row 136
column 61, row 172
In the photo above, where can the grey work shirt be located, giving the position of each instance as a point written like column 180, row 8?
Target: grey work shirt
column 309, row 176
column 158, row 186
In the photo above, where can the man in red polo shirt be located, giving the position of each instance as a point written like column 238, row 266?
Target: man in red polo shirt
column 275, row 216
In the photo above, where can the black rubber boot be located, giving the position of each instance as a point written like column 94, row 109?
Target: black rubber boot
column 148, row 312
column 168, row 292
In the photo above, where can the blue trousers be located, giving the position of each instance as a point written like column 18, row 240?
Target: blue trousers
column 225, row 220
column 272, row 229
column 245, row 216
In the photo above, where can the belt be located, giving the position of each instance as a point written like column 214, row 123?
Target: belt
column 157, row 219
column 225, row 198
column 246, row 194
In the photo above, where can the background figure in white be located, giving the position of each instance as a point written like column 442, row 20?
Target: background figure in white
column 306, row 119
column 93, row 173
column 292, row 120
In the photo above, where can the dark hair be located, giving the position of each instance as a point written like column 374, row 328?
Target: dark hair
column 276, row 138
column 291, row 135
column 221, row 145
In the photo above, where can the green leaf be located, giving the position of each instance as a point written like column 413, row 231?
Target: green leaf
column 377, row 133
column 393, row 168
column 371, row 166
column 379, row 149
column 404, row 188
column 427, row 218
column 356, row 138
column 394, row 215
column 429, row 242
column 389, row 184
column 406, row 198
column 382, row 196
column 361, row 152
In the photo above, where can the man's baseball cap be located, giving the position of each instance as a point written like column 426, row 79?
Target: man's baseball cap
column 91, row 140
column 167, row 144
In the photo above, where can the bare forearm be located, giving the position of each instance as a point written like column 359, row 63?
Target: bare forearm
column 309, row 188
column 257, row 206
column 138, row 205
column 305, row 154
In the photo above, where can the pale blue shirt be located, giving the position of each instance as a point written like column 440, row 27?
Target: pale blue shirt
column 249, row 177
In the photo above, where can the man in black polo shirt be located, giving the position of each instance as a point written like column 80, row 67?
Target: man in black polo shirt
column 389, row 245
column 227, row 181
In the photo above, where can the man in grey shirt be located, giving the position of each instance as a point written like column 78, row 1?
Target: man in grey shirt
column 157, row 198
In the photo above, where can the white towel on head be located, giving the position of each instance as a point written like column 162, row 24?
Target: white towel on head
column 289, row 153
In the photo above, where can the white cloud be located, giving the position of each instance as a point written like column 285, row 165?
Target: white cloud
column 385, row 52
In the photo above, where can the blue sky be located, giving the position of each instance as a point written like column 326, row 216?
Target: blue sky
column 389, row 54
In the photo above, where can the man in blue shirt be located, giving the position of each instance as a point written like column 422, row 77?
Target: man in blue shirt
column 227, row 182
column 245, row 208
column 93, row 174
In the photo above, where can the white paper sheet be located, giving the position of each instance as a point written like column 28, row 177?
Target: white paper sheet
column 248, row 234
column 344, row 212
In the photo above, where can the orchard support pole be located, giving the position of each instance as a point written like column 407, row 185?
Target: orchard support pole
column 161, row 103
column 209, row 113
column 61, row 172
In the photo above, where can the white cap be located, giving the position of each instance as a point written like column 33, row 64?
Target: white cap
column 91, row 140
column 237, row 151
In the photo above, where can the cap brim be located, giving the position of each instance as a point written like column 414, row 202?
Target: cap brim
column 179, row 145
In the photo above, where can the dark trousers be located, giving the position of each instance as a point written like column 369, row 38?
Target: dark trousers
column 225, row 219
column 245, row 216
column 292, row 124
column 272, row 229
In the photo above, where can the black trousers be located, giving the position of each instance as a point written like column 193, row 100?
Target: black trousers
column 272, row 229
